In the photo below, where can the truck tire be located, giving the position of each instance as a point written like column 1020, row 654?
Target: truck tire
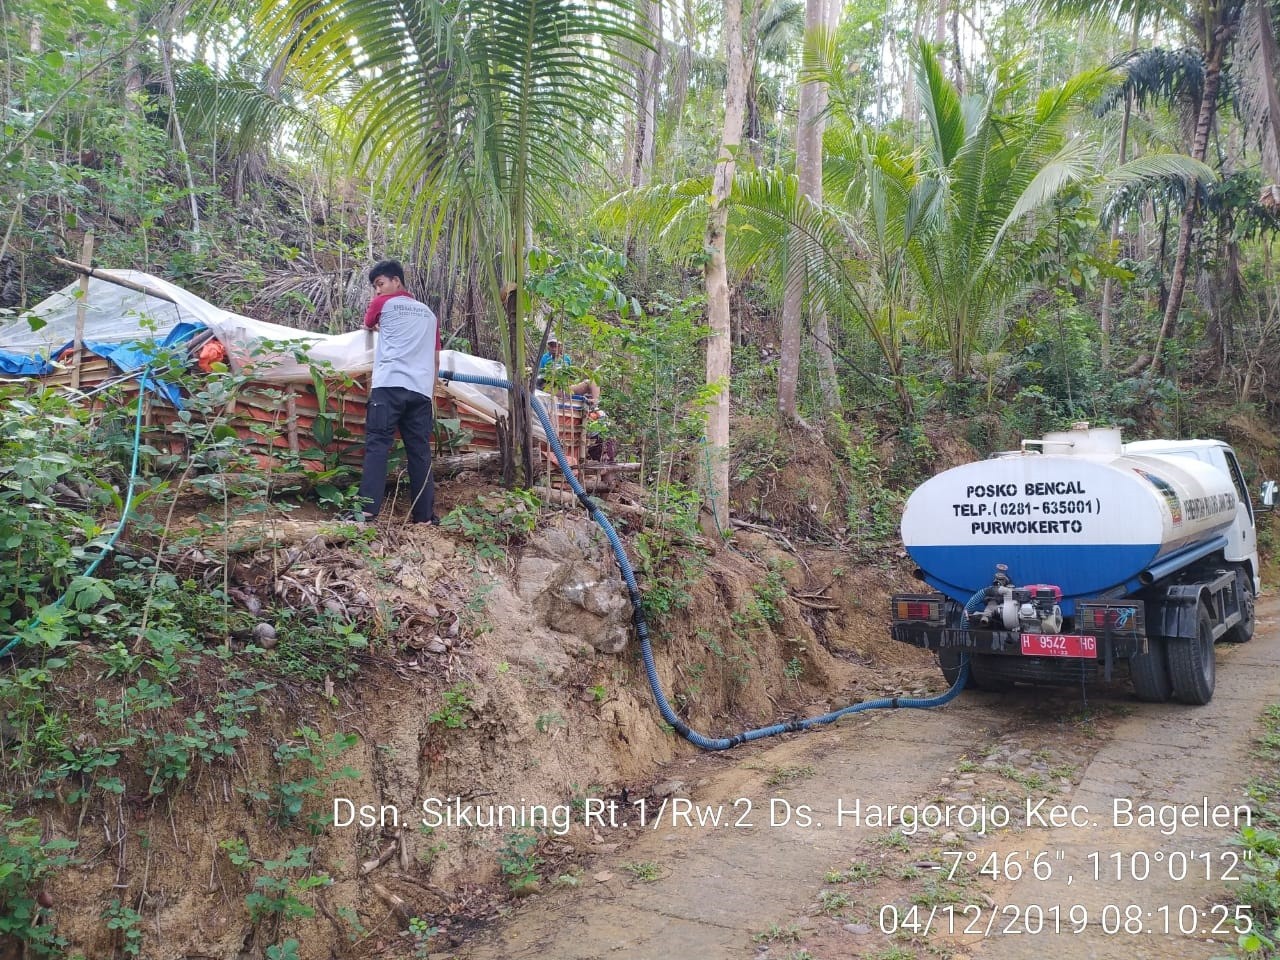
column 949, row 660
column 981, row 676
column 1149, row 673
column 1191, row 662
column 984, row 674
column 1242, row 632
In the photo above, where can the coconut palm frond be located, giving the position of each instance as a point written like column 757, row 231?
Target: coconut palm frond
column 242, row 112
column 1256, row 61
column 781, row 29
column 942, row 106
column 672, row 215
column 1169, row 76
column 1152, row 177
column 1116, row 11
column 1158, row 167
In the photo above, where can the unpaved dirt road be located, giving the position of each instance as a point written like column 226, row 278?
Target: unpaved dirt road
column 761, row 884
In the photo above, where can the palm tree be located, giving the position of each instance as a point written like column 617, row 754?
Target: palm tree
column 1240, row 32
column 715, row 269
column 781, row 27
column 476, row 116
column 939, row 238
column 936, row 239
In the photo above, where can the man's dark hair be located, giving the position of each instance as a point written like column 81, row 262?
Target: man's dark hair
column 387, row 268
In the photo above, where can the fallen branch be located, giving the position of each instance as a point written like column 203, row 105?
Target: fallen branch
column 110, row 277
column 397, row 904
column 767, row 531
column 608, row 468
column 813, row 605
column 567, row 499
column 250, row 536
column 452, row 466
column 369, row 866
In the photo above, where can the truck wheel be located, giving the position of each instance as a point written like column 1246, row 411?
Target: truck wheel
column 1242, row 632
column 1191, row 662
column 983, row 674
column 949, row 660
column 1149, row 673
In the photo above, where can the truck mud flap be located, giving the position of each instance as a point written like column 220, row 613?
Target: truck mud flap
column 1177, row 612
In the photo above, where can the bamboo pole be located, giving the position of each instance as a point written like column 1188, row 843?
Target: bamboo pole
column 291, row 408
column 77, row 344
column 87, row 271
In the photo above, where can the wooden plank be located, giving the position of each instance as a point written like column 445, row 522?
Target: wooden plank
column 276, row 422
column 77, row 342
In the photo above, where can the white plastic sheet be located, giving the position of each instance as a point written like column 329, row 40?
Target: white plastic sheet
column 265, row 351
column 113, row 314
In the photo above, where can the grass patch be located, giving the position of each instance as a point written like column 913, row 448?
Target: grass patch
column 782, row 776
column 644, row 871
column 776, row 933
column 1259, row 887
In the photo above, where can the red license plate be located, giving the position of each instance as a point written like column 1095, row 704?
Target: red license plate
column 1059, row 645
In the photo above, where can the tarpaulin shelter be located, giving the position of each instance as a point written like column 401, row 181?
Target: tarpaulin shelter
column 311, row 388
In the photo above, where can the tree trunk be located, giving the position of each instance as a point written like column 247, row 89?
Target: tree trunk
column 132, row 83
column 679, row 94
column 821, row 326
column 957, row 65
column 1104, row 322
column 716, row 272
column 755, row 130
column 751, row 63
column 518, row 397
column 1267, row 51
column 648, row 71
column 808, row 157
column 1199, row 149
column 648, row 77
column 166, row 64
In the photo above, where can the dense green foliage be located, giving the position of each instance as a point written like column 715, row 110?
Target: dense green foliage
column 125, row 685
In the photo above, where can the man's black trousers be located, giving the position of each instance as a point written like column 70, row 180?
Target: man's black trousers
column 392, row 408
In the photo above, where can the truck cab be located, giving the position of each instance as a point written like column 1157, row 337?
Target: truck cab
column 1242, row 539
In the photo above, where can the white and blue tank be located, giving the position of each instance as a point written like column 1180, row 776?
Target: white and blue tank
column 1074, row 509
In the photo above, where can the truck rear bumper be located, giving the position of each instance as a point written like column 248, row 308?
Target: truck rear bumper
column 1002, row 642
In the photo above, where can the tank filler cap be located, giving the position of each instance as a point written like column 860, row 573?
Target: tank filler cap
column 1083, row 439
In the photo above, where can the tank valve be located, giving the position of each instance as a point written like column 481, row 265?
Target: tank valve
column 999, row 608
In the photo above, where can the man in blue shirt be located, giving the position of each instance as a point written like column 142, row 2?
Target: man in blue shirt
column 556, row 360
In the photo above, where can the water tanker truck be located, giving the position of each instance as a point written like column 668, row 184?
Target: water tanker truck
column 1080, row 558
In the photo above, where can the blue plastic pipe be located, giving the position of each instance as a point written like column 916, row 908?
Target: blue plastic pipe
column 642, row 626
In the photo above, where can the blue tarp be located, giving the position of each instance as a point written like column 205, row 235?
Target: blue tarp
column 20, row 365
column 127, row 356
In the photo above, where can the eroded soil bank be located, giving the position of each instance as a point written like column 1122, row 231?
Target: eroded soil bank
column 507, row 681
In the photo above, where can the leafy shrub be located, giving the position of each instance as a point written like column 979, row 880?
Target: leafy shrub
column 27, row 862
column 496, row 521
